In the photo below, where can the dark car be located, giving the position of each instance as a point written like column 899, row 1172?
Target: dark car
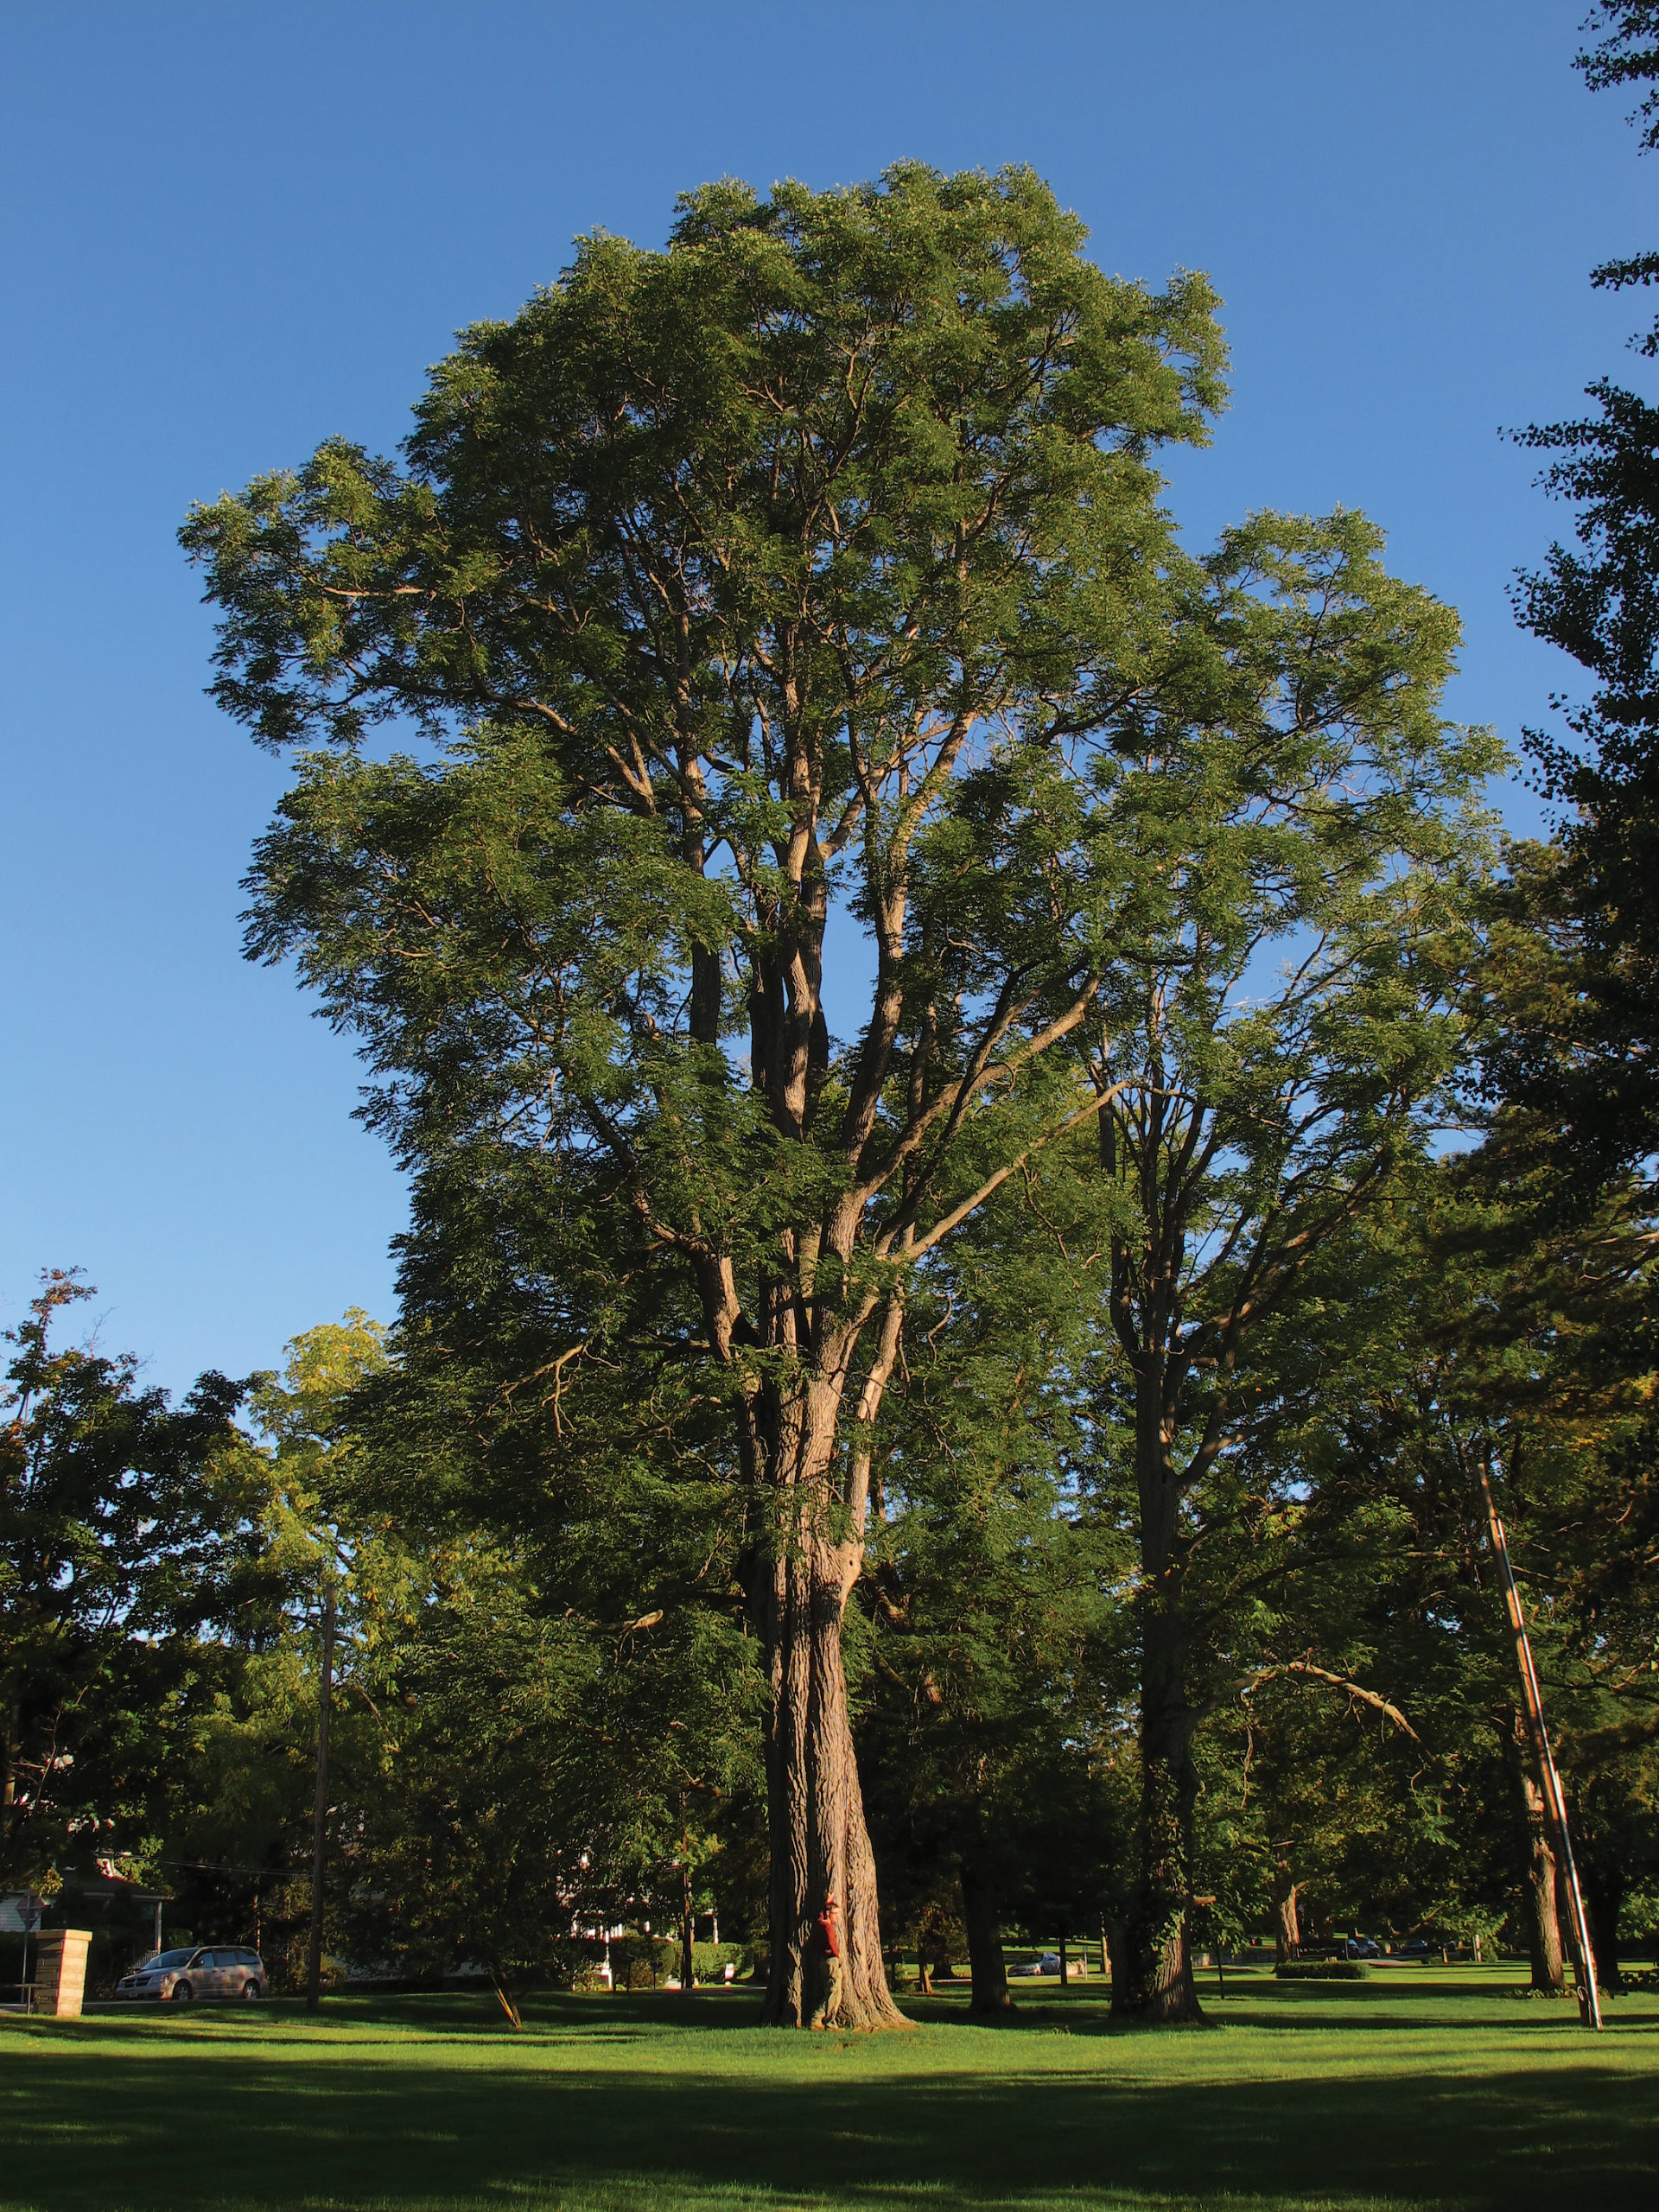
column 206, row 1970
column 1361, row 1947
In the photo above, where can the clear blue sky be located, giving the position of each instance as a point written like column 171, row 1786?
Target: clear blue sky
column 232, row 229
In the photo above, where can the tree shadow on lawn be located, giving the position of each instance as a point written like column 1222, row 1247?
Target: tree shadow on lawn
column 305, row 2128
column 1302, row 2008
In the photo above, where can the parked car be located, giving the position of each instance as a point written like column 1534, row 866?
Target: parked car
column 1049, row 1963
column 1361, row 1947
column 208, row 1970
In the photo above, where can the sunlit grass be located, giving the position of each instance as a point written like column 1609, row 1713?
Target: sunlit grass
column 1411, row 2088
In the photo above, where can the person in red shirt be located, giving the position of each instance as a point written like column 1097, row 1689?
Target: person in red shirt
column 827, row 1944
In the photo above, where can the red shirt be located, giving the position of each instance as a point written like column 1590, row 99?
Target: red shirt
column 827, row 1930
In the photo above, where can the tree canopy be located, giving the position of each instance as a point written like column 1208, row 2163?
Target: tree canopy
column 999, row 1166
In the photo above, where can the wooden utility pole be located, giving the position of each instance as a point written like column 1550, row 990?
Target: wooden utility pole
column 314, row 1950
column 1583, row 1957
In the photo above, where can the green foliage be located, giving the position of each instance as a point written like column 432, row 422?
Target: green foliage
column 812, row 576
column 1584, row 1059
column 811, row 568
column 990, row 1735
column 533, row 1774
column 1567, row 1061
column 731, row 583
column 131, row 1572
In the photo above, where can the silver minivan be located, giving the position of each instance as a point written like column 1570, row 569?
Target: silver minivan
column 208, row 1970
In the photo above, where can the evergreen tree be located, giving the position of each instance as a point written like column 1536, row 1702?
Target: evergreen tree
column 1587, row 1059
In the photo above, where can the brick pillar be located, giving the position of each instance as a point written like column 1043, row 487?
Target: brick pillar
column 60, row 1971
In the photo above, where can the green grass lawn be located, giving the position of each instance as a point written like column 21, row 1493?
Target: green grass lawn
column 1443, row 2089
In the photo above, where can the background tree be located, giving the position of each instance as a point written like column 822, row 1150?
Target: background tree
column 1295, row 797
column 569, row 1695
column 131, row 1563
column 1569, row 1036
column 992, row 1599
column 1505, row 1347
column 1586, row 1057
column 239, row 1820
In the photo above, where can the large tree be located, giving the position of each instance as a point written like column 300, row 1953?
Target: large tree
column 791, row 574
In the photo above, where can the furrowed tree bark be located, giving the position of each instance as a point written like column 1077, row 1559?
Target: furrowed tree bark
column 819, row 1841
column 820, row 1844
column 809, row 1469
column 985, row 1961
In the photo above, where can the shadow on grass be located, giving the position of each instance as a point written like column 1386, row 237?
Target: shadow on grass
column 1295, row 2007
column 214, row 2116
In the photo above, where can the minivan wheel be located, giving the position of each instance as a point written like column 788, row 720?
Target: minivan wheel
column 249, row 1990
column 182, row 1992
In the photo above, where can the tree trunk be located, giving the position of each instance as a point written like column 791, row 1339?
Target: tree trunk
column 1539, row 1908
column 820, row 1845
column 1286, row 1924
column 1062, row 1961
column 688, row 1932
column 813, row 1487
column 1152, row 1978
column 1604, row 1901
column 1153, row 1971
column 9, row 1773
column 990, row 1992
column 325, row 1695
